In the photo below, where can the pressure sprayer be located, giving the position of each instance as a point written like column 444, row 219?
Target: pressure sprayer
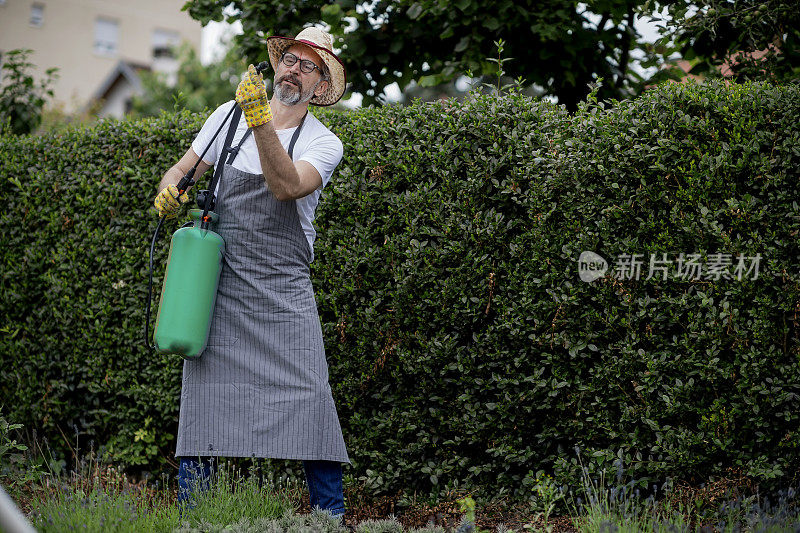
column 194, row 265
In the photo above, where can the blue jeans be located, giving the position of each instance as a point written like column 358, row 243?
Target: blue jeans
column 324, row 479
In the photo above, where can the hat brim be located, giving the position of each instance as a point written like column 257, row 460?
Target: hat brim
column 277, row 44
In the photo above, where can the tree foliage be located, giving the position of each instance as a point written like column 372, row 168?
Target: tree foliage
column 753, row 39
column 197, row 87
column 561, row 45
column 21, row 96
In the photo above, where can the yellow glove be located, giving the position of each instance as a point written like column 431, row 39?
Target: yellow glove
column 168, row 202
column 251, row 95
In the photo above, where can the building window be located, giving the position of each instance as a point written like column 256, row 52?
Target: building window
column 106, row 35
column 164, row 42
column 37, row 15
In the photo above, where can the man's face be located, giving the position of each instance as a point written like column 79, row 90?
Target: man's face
column 292, row 85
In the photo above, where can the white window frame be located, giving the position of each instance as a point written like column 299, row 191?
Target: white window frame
column 37, row 15
column 106, row 37
column 163, row 41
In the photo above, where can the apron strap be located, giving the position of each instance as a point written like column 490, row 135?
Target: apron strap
column 232, row 152
column 226, row 149
column 296, row 136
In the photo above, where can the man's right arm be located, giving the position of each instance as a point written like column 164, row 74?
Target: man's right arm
column 174, row 174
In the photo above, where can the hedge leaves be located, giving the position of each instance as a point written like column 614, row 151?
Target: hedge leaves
column 464, row 350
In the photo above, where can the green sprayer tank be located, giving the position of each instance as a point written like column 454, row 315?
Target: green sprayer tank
column 190, row 289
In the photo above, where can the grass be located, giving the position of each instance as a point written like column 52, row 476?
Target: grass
column 105, row 500
column 102, row 499
column 96, row 497
column 611, row 513
column 230, row 505
column 620, row 508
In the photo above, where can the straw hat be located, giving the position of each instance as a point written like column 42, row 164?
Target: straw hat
column 322, row 43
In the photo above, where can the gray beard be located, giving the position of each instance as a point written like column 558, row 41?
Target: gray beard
column 294, row 95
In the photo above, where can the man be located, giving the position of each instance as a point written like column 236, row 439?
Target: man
column 260, row 388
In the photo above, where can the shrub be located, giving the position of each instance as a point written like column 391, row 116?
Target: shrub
column 464, row 350
column 75, row 249
column 21, row 97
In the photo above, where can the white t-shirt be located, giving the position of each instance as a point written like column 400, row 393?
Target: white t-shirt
column 316, row 144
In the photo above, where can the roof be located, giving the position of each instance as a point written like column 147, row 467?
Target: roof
column 125, row 70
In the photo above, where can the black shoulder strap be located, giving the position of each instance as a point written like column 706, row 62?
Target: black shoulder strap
column 210, row 199
column 295, row 136
column 232, row 152
column 226, row 149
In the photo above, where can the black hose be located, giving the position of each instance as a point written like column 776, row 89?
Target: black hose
column 150, row 284
column 185, row 182
column 150, row 288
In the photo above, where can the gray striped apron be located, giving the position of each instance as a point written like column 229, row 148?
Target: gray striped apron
column 260, row 388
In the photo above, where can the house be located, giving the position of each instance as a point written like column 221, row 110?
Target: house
column 115, row 94
column 97, row 45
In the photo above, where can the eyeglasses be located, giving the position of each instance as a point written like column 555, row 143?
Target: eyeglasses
column 306, row 66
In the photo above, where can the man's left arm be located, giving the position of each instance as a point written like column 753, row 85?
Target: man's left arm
column 286, row 179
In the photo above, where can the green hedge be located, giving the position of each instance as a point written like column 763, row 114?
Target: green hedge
column 464, row 350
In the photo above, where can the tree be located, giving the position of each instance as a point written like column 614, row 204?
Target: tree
column 21, row 97
column 560, row 45
column 753, row 39
column 197, row 86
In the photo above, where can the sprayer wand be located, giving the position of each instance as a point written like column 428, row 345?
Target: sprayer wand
column 208, row 196
column 183, row 185
column 188, row 179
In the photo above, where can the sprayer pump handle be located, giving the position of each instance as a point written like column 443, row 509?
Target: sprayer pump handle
column 186, row 181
